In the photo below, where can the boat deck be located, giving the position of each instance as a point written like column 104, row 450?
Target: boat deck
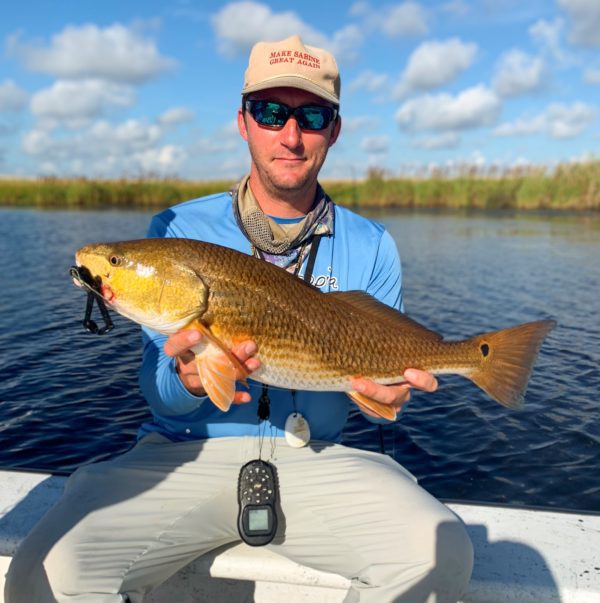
column 521, row 556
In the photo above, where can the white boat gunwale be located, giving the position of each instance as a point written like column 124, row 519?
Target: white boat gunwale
column 523, row 554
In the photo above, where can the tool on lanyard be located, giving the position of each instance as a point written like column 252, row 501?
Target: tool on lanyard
column 258, row 491
column 83, row 278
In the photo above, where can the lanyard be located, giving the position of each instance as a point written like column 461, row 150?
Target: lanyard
column 312, row 256
column 264, row 403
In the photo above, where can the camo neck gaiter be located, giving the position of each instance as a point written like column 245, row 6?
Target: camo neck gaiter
column 283, row 245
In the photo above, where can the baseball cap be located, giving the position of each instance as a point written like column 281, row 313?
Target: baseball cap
column 291, row 63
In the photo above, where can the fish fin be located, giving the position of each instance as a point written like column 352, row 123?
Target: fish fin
column 507, row 358
column 367, row 303
column 242, row 371
column 385, row 411
column 217, row 374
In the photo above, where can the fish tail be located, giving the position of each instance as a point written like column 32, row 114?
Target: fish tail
column 506, row 360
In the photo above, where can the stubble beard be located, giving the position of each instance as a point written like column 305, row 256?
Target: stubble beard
column 283, row 186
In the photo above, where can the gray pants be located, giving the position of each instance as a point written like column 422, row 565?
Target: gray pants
column 124, row 526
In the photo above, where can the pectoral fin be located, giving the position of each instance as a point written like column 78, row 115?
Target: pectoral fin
column 217, row 374
column 215, row 341
column 385, row 411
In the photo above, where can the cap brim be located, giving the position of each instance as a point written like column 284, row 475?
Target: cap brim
column 293, row 81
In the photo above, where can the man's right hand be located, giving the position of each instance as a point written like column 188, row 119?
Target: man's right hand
column 179, row 346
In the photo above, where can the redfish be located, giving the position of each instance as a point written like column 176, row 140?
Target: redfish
column 307, row 340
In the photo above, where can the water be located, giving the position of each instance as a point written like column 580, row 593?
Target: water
column 67, row 397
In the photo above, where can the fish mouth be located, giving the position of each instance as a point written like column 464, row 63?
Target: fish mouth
column 82, row 277
column 108, row 294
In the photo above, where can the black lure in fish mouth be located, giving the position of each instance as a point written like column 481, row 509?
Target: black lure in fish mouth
column 83, row 277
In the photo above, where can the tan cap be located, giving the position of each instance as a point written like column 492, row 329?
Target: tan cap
column 291, row 63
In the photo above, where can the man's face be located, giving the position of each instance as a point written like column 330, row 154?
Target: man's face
column 288, row 159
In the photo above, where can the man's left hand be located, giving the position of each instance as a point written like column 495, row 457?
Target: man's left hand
column 395, row 395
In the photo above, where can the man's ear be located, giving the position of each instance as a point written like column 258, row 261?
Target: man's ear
column 337, row 126
column 241, row 121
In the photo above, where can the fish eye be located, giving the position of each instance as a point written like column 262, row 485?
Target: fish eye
column 115, row 260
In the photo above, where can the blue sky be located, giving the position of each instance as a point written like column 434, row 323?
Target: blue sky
column 113, row 88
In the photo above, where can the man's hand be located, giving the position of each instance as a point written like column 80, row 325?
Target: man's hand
column 395, row 395
column 179, row 347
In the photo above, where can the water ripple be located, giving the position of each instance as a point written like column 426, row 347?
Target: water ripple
column 67, row 397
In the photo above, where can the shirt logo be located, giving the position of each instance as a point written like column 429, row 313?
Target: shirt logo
column 324, row 280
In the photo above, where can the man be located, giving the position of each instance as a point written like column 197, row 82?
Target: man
column 126, row 525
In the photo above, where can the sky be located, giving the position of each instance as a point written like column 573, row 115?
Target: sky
column 117, row 89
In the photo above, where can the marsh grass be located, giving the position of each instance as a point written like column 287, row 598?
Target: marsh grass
column 572, row 186
column 84, row 193
column 569, row 187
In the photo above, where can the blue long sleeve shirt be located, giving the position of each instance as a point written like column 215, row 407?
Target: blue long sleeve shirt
column 360, row 254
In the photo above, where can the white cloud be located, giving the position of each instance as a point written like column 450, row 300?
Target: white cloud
column 230, row 129
column 522, row 127
column 375, row 145
column 584, row 157
column 558, row 121
column 434, row 64
column 446, row 140
column 37, row 142
column 232, row 166
column 518, row 73
column 456, row 166
column 73, row 100
column 472, row 108
column 48, row 168
column 362, row 122
column 239, row 25
column 585, row 21
column 359, row 9
column 210, row 146
column 176, row 116
column 135, row 148
column 112, row 53
column 134, row 134
column 592, row 75
column 346, row 43
column 225, row 139
column 103, row 149
column 548, row 36
column 369, row 81
column 161, row 160
column 568, row 122
column 477, row 158
column 458, row 8
column 404, row 20
column 12, row 98
column 99, row 139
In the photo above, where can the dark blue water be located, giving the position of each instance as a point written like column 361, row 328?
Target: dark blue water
column 67, row 397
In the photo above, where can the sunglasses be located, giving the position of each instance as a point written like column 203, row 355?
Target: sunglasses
column 275, row 115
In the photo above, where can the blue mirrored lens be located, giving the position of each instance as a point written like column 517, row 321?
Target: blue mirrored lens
column 270, row 114
column 314, row 118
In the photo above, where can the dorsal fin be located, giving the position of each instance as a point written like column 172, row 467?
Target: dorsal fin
column 368, row 304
